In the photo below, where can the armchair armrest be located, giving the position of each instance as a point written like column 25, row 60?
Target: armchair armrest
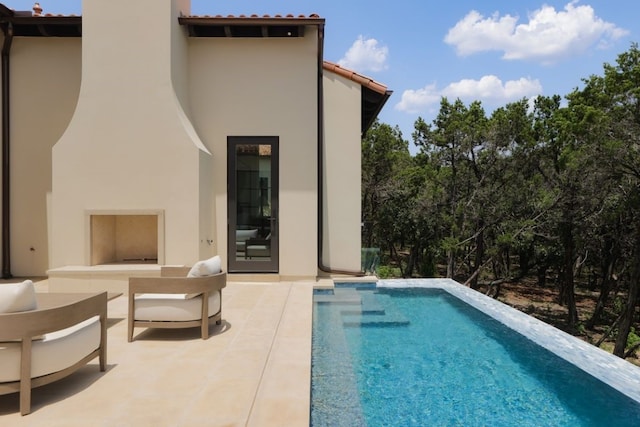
column 176, row 285
column 56, row 314
column 262, row 242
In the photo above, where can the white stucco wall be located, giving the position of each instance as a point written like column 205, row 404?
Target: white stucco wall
column 263, row 87
column 45, row 81
column 342, row 177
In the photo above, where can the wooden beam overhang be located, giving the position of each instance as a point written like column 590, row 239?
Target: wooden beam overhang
column 371, row 104
column 44, row 26
column 254, row 26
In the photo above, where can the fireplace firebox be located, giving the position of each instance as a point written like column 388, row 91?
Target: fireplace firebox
column 125, row 237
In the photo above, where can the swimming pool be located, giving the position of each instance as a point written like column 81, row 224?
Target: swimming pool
column 437, row 353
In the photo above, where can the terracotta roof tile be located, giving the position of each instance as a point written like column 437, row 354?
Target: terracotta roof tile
column 38, row 11
column 353, row 76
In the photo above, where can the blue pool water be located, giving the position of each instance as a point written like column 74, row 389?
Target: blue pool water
column 422, row 357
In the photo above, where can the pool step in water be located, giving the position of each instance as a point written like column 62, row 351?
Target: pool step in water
column 364, row 309
column 340, row 296
column 373, row 313
column 369, row 306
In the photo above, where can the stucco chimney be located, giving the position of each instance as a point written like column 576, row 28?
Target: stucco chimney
column 130, row 145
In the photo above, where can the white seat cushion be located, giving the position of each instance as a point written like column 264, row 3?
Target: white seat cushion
column 15, row 297
column 173, row 307
column 262, row 250
column 56, row 351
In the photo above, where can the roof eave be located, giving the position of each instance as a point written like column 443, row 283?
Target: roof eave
column 253, row 26
column 243, row 20
column 44, row 26
column 369, row 116
column 5, row 11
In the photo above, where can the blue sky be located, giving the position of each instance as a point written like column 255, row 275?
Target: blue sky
column 495, row 51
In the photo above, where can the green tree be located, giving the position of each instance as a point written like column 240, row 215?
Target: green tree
column 451, row 146
column 619, row 90
column 384, row 154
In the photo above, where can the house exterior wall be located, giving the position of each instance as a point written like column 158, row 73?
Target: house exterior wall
column 74, row 146
column 45, row 82
column 263, row 87
column 342, row 173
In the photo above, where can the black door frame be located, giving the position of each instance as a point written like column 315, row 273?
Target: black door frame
column 245, row 264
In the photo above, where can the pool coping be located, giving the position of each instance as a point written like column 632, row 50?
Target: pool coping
column 610, row 369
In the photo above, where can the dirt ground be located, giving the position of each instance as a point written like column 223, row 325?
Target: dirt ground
column 542, row 303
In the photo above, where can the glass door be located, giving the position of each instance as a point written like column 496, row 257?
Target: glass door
column 252, row 177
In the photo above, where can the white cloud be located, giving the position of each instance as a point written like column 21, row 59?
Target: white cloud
column 365, row 55
column 489, row 89
column 549, row 35
column 415, row 101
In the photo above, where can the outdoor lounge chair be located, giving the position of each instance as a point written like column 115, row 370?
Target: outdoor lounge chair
column 179, row 298
column 242, row 236
column 45, row 337
column 258, row 247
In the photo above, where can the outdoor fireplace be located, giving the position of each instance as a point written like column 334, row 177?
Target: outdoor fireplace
column 130, row 175
column 130, row 237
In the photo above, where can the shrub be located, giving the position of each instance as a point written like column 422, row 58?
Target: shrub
column 387, row 272
column 633, row 338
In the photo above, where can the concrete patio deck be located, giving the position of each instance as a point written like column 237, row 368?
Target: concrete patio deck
column 254, row 370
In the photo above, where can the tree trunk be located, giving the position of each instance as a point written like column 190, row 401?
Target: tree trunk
column 606, row 279
column 608, row 332
column 630, row 308
column 542, row 275
column 494, row 287
column 413, row 257
column 632, row 350
column 572, row 314
column 450, row 263
column 479, row 254
column 605, row 289
column 525, row 255
column 567, row 291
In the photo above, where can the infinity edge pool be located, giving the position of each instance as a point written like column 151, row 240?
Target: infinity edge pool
column 610, row 369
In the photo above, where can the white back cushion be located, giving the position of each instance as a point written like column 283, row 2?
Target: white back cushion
column 15, row 297
column 206, row 267
column 242, row 235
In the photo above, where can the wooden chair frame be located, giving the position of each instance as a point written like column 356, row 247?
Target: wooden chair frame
column 55, row 312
